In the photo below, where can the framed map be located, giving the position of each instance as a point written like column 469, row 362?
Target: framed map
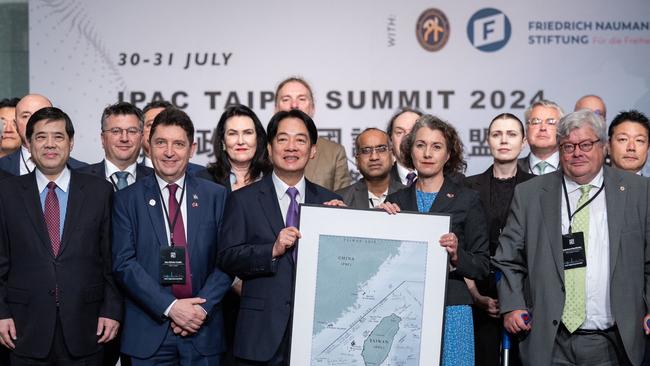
column 370, row 288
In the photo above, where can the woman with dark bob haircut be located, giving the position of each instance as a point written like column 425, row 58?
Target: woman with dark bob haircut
column 239, row 146
column 435, row 151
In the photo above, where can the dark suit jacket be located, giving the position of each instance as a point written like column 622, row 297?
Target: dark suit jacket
column 99, row 170
column 252, row 222
column 469, row 225
column 524, row 164
column 29, row 273
column 11, row 163
column 138, row 234
column 531, row 246
column 356, row 195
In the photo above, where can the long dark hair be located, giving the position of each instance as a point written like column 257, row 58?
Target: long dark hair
column 260, row 165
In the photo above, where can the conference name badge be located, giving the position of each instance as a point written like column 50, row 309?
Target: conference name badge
column 172, row 266
column 573, row 249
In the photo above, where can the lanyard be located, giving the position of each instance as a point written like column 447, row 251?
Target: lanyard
column 24, row 161
column 568, row 204
column 171, row 223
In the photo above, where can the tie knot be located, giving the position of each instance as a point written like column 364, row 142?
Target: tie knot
column 121, row 175
column 51, row 186
column 411, row 175
column 172, row 189
column 292, row 192
column 584, row 190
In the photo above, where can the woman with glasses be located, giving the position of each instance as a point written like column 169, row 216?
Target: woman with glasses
column 435, row 151
column 496, row 187
column 239, row 145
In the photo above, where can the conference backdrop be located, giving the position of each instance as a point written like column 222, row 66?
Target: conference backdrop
column 464, row 61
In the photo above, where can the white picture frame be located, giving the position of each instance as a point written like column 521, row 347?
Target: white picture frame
column 356, row 230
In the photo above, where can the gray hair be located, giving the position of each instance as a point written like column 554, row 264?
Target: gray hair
column 578, row 119
column 542, row 103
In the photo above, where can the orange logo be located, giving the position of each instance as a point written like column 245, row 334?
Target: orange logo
column 432, row 30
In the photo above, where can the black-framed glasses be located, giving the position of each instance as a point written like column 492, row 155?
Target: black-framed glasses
column 538, row 121
column 379, row 149
column 116, row 131
column 585, row 146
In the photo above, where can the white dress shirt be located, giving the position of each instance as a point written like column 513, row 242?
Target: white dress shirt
column 375, row 201
column 599, row 312
column 112, row 169
column 403, row 172
column 26, row 163
column 180, row 194
column 283, row 198
column 553, row 163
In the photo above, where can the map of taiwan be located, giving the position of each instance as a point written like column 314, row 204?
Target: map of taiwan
column 368, row 305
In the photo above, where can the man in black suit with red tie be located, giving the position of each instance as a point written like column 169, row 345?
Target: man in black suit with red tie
column 58, row 301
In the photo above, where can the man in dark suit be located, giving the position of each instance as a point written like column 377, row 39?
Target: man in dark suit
column 151, row 110
column 20, row 161
column 398, row 127
column 578, row 239
column 172, row 312
column 374, row 160
column 58, row 300
column 121, row 136
column 541, row 120
column 259, row 237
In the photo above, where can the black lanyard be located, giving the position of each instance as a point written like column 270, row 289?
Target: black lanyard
column 24, row 162
column 172, row 224
column 568, row 204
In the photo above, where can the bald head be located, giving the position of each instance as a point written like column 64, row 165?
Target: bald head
column 592, row 102
column 25, row 108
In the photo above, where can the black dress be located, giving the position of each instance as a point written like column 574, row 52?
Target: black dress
column 496, row 195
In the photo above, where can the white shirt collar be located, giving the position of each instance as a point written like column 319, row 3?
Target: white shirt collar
column 402, row 171
column 572, row 186
column 26, row 153
column 281, row 187
column 553, row 160
column 62, row 181
column 163, row 183
column 112, row 168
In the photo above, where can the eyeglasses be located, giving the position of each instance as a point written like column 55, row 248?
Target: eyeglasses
column 116, row 131
column 584, row 146
column 381, row 149
column 538, row 121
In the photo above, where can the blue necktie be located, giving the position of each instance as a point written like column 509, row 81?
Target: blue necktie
column 121, row 180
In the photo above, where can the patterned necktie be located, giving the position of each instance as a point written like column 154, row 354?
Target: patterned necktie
column 410, row 177
column 53, row 218
column 121, row 179
column 178, row 233
column 541, row 167
column 293, row 214
column 575, row 309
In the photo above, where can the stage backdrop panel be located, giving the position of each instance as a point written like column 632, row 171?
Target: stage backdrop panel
column 465, row 62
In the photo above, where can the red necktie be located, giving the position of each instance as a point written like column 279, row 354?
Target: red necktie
column 180, row 291
column 53, row 218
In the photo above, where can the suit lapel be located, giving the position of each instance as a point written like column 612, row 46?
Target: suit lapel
column 615, row 198
column 445, row 197
column 34, row 209
column 194, row 212
column 550, row 201
column 76, row 197
column 361, row 193
column 14, row 161
column 269, row 202
column 152, row 195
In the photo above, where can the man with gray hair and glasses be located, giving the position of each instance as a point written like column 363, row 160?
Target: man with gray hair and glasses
column 577, row 239
column 541, row 120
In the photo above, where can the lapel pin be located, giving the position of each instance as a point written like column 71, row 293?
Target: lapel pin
column 621, row 188
column 195, row 204
column 195, row 196
column 152, row 202
column 451, row 195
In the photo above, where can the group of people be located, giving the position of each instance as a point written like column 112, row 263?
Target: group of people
column 157, row 261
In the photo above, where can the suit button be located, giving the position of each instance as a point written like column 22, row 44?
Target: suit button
column 554, row 322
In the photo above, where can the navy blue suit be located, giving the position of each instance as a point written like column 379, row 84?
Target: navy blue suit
column 252, row 222
column 138, row 234
column 11, row 163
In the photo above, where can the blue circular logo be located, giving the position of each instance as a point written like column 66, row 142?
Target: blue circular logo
column 489, row 30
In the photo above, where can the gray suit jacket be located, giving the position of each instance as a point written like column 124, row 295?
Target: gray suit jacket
column 356, row 195
column 531, row 245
